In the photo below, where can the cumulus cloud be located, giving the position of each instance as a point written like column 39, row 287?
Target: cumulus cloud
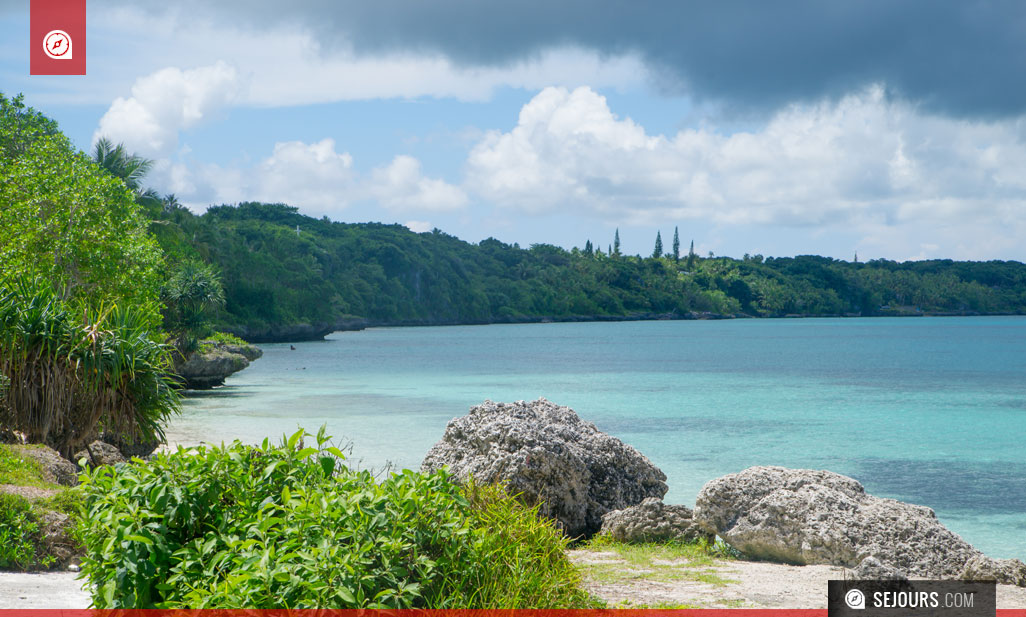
column 166, row 102
column 401, row 186
column 315, row 177
column 865, row 159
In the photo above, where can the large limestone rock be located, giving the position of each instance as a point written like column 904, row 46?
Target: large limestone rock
column 1004, row 571
column 550, row 456
column 802, row 516
column 653, row 521
column 210, row 366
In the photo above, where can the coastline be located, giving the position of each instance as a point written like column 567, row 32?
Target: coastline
column 304, row 332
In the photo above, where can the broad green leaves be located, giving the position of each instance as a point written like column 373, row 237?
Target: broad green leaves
column 292, row 527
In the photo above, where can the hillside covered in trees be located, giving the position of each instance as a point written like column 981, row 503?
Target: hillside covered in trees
column 287, row 275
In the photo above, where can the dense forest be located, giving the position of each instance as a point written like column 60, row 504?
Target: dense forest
column 289, row 275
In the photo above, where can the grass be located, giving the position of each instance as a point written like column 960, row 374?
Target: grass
column 22, row 470
column 656, row 562
column 21, row 542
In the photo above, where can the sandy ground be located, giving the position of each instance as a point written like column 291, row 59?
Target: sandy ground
column 42, row 590
column 743, row 584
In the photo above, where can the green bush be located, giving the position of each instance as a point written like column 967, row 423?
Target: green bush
column 291, row 526
column 227, row 338
column 18, row 532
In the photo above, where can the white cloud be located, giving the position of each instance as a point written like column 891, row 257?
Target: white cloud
column 401, row 187
column 166, row 102
column 863, row 160
column 315, row 177
column 418, row 226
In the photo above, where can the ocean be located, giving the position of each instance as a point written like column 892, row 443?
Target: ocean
column 927, row 410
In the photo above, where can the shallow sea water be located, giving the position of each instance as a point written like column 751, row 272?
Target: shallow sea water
column 926, row 410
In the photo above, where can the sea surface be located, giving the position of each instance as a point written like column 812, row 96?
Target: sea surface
column 926, row 410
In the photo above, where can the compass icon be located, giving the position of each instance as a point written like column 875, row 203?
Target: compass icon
column 57, row 45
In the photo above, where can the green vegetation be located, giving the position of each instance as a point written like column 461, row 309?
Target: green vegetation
column 67, row 221
column 280, row 268
column 19, row 530
column 20, row 470
column 292, row 527
column 608, row 562
column 225, row 338
column 22, row 542
column 72, row 366
column 80, row 340
column 190, row 295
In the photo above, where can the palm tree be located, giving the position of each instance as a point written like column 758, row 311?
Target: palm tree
column 170, row 202
column 131, row 168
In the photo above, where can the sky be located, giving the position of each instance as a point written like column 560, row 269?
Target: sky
column 884, row 129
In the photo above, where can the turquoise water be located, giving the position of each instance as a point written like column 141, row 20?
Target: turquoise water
column 926, row 410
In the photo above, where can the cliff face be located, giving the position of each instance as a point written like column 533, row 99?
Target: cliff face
column 208, row 367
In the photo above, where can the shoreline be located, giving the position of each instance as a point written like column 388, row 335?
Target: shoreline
column 304, row 332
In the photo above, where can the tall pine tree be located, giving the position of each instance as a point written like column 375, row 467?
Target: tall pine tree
column 658, row 251
column 676, row 245
column 691, row 256
column 616, row 243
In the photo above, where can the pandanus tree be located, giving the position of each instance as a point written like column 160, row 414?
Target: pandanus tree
column 71, row 369
column 190, row 294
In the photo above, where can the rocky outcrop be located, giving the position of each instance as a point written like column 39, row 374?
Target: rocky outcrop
column 100, row 453
column 56, row 468
column 292, row 333
column 802, row 516
column 549, row 456
column 653, row 521
column 214, row 362
column 1004, row 571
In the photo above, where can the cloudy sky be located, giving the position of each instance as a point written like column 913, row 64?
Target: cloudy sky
column 890, row 129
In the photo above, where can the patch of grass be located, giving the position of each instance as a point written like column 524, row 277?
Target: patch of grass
column 663, row 562
column 19, row 469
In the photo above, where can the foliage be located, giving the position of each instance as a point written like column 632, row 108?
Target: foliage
column 190, row 294
column 72, row 365
column 21, row 470
column 291, row 526
column 226, row 339
column 273, row 275
column 118, row 162
column 66, row 220
column 18, row 533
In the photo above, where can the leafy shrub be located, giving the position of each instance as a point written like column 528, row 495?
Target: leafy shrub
column 227, row 338
column 18, row 532
column 289, row 526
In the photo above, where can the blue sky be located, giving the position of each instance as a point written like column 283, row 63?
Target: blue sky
column 893, row 130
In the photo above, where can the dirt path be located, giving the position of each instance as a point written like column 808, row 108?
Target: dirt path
column 719, row 583
column 42, row 590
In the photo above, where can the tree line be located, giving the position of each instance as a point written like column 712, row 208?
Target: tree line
column 281, row 267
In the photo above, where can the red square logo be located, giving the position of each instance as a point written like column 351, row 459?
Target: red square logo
column 57, row 37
